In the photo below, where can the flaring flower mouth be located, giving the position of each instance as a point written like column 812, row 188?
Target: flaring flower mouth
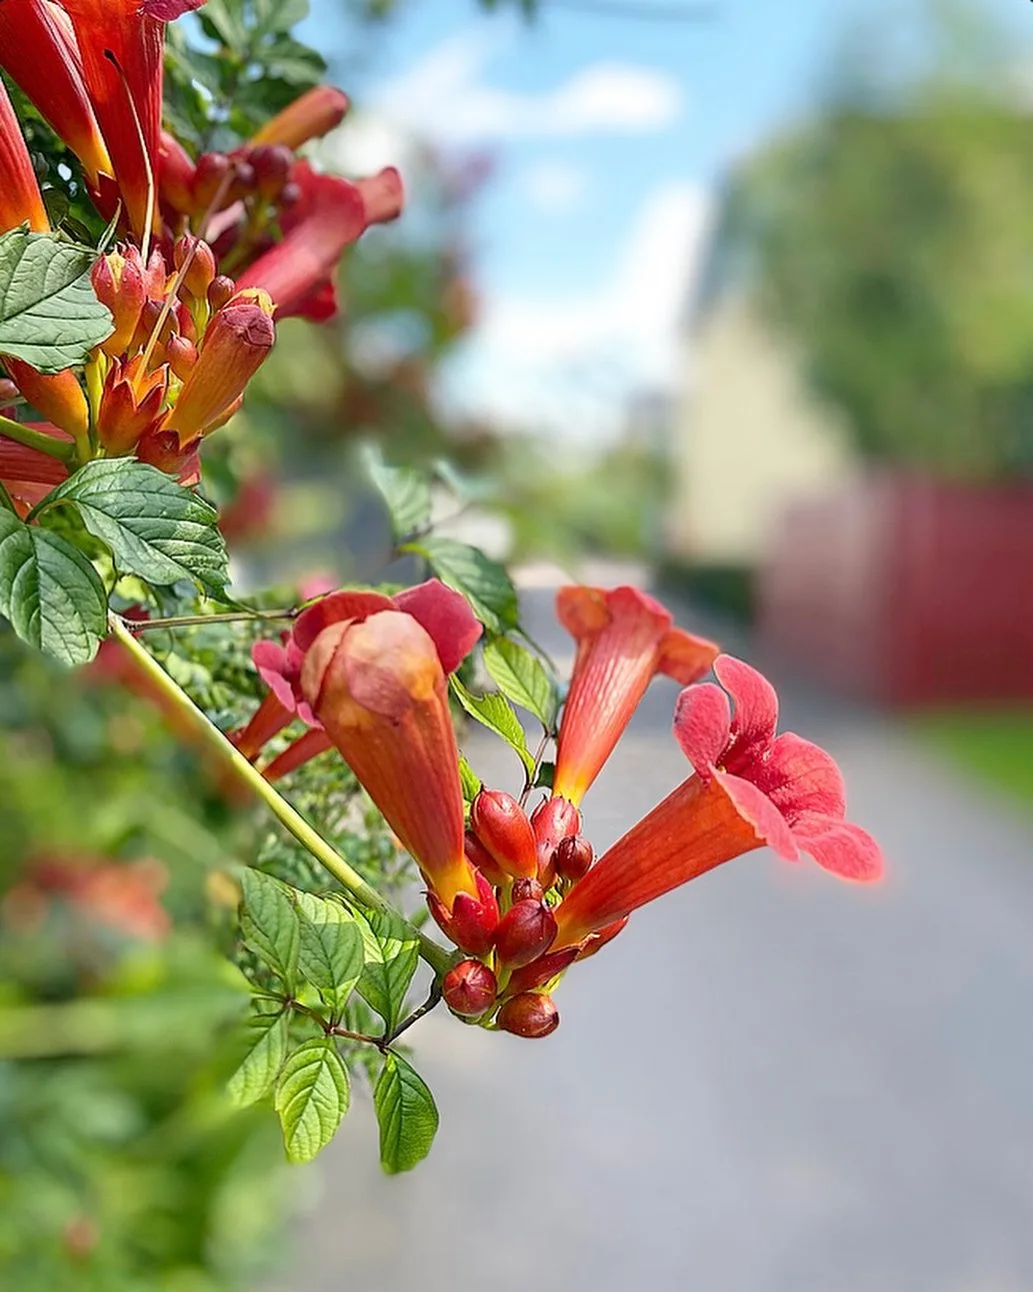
column 751, row 787
column 625, row 638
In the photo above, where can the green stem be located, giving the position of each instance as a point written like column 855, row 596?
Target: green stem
column 200, row 621
column 53, row 448
column 230, row 757
column 6, row 500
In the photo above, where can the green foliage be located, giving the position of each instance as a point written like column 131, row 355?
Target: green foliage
column 391, row 955
column 252, row 1081
column 269, row 923
column 49, row 592
column 407, row 1115
column 153, row 527
column 482, row 581
column 331, row 958
column 49, row 314
column 406, row 492
column 894, row 245
column 495, row 712
column 520, row 677
column 312, row 1097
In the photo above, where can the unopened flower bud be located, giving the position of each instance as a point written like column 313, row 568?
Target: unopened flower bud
column 531, row 1014
column 525, row 932
column 118, row 281
column 201, row 268
column 243, row 179
column 271, row 164
column 8, row 391
column 221, row 292
column 175, row 174
column 503, row 828
column 311, row 115
column 541, row 971
column 469, row 988
column 554, row 819
column 181, row 355
column 527, row 890
column 290, row 195
column 596, row 941
column 480, row 857
column 472, row 922
column 573, row 857
column 235, row 346
column 210, row 176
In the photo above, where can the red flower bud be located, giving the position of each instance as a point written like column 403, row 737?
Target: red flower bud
column 531, row 1014
column 175, row 174
column 313, row 114
column 573, row 857
column 472, row 923
column 221, row 290
column 480, row 857
column 243, row 179
column 541, row 971
column 118, row 282
column 181, row 355
column 524, row 933
column 505, row 831
column 527, row 890
column 209, row 175
column 201, row 270
column 596, row 941
column 554, row 819
column 271, row 164
column 469, row 988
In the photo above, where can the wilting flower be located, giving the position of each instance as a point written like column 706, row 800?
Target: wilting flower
column 379, row 687
column 751, row 788
column 298, row 273
column 38, row 51
column 624, row 639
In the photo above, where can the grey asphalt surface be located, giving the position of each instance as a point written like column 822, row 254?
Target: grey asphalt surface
column 771, row 1082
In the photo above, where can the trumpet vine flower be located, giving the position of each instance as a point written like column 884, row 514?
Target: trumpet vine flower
column 751, row 788
column 624, row 638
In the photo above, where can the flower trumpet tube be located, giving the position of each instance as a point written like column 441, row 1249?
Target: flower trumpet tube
column 58, row 396
column 379, row 691
column 751, row 788
column 311, row 115
column 20, row 198
column 624, row 638
column 236, row 344
column 38, row 51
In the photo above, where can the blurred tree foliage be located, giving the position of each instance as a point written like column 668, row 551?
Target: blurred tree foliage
column 895, row 246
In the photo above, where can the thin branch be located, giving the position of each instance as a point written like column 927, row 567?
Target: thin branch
column 200, row 621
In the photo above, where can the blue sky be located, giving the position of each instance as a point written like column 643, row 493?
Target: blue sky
column 609, row 137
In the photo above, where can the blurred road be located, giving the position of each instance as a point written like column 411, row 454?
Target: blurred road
column 771, row 1082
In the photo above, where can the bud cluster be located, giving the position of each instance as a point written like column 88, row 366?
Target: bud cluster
column 525, row 866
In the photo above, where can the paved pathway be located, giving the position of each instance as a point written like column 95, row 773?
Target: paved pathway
column 772, row 1082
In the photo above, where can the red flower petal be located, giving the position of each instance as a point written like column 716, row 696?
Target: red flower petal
column 758, row 810
column 271, row 661
column 702, row 723
column 582, row 610
column 446, row 616
column 841, row 847
column 335, row 609
column 799, row 776
column 685, row 657
column 756, row 704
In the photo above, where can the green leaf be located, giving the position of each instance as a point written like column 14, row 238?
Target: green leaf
column 496, row 713
column 50, row 593
column 255, row 1077
column 49, row 313
column 520, row 676
column 269, row 923
column 469, row 780
column 407, row 1116
column 392, row 954
column 312, row 1097
column 330, row 957
column 155, row 528
column 483, row 582
column 406, row 492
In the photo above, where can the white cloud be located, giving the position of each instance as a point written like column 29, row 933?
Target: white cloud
column 444, row 97
column 570, row 363
column 553, row 186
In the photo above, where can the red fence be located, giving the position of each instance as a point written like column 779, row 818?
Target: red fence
column 906, row 590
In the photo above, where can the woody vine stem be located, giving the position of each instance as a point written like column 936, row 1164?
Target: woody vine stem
column 436, row 956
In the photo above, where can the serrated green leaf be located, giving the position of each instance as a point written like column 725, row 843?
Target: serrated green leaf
column 496, row 713
column 330, row 957
column 312, row 1097
column 50, row 593
column 322, row 910
column 406, row 492
column 392, row 954
column 269, row 923
column 256, row 1075
column 407, row 1116
column 519, row 675
column 49, row 313
column 154, row 527
column 482, row 581
column 469, row 780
